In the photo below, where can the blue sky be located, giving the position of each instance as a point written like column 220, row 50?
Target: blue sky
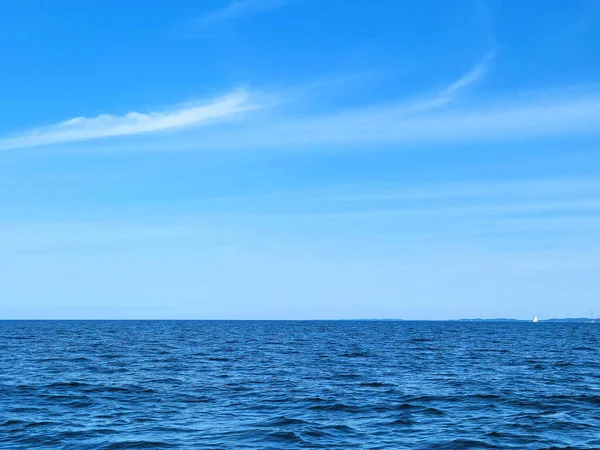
column 296, row 159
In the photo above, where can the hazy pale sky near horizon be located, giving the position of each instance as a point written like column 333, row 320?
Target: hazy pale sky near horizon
column 299, row 159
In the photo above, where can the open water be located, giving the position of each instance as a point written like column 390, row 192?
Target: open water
column 280, row 385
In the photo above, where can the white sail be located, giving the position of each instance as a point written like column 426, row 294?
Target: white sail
column 535, row 319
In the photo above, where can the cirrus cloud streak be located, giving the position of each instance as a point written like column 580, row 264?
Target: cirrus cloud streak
column 132, row 123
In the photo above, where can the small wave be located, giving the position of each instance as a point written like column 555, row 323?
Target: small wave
column 64, row 397
column 420, row 340
column 186, row 398
column 591, row 399
column 484, row 396
column 287, row 436
column 428, row 398
column 81, row 359
column 313, row 399
column 346, row 375
column 401, row 421
column 560, row 448
column 25, row 387
column 137, row 444
column 167, row 380
column 317, row 434
column 464, row 443
column 374, row 384
column 341, row 428
column 336, row 407
column 42, row 423
column 67, row 385
column 12, row 422
column 419, row 408
column 110, row 356
column 80, row 404
column 283, row 421
column 434, row 411
column 407, row 406
column 355, row 355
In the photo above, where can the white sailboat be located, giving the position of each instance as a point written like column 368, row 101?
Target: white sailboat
column 535, row 319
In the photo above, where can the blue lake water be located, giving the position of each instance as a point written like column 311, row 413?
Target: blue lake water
column 279, row 385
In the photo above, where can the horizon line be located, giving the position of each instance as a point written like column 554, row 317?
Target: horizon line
column 476, row 319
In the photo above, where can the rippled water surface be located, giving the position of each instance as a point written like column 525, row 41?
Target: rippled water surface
column 236, row 385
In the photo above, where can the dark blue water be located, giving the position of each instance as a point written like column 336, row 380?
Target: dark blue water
column 237, row 385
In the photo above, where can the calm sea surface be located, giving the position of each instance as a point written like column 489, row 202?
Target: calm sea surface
column 279, row 385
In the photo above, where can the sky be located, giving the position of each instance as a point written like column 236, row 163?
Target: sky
column 299, row 159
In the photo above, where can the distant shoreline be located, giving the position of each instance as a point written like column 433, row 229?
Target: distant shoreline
column 576, row 320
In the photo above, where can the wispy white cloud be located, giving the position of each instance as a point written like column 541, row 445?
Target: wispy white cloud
column 236, row 10
column 443, row 117
column 132, row 123
column 473, row 76
column 427, row 121
column 444, row 96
